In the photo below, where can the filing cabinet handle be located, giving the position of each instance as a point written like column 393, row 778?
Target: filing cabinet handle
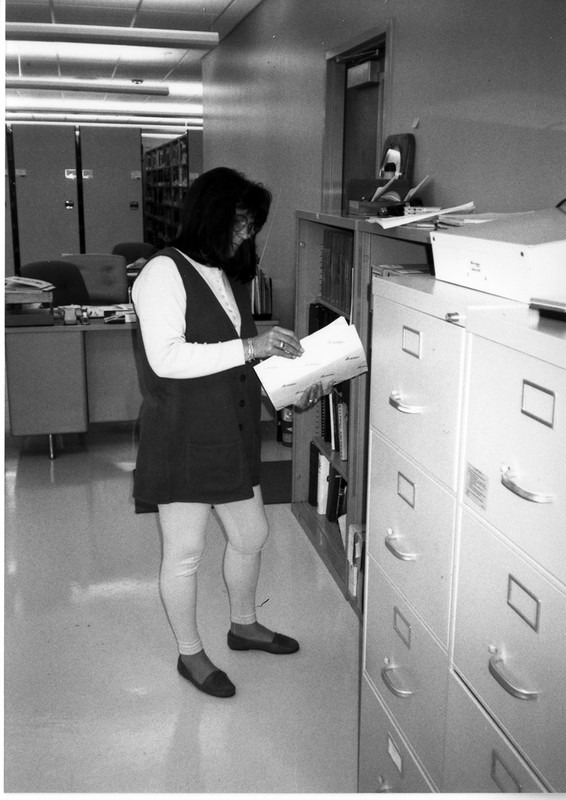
column 399, row 405
column 507, row 479
column 504, row 678
column 398, row 691
column 389, row 539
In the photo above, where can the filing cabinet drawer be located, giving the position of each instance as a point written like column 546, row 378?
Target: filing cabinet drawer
column 410, row 532
column 416, row 385
column 479, row 758
column 510, row 646
column 408, row 668
column 515, row 456
column 386, row 763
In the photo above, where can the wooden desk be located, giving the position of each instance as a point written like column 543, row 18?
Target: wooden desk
column 62, row 378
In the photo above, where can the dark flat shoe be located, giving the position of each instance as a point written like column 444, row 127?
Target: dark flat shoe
column 280, row 644
column 218, row 684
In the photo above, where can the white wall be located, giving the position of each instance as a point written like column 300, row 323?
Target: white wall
column 485, row 79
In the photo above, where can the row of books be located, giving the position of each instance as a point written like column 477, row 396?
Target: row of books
column 328, row 489
column 174, row 152
column 336, row 268
column 334, row 406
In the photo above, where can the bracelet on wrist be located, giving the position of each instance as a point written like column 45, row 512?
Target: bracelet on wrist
column 250, row 350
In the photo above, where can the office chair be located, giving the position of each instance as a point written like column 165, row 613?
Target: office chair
column 104, row 274
column 134, row 250
column 70, row 288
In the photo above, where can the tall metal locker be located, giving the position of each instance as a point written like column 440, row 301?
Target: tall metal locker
column 46, row 187
column 112, row 187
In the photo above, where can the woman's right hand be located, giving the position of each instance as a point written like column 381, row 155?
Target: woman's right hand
column 277, row 342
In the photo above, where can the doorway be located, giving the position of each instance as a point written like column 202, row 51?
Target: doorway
column 357, row 101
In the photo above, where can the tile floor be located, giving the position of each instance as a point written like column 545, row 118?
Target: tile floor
column 93, row 702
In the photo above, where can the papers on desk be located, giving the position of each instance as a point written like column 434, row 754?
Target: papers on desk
column 119, row 312
column 332, row 354
column 103, row 311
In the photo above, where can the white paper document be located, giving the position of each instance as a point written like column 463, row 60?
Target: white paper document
column 413, row 219
column 332, row 354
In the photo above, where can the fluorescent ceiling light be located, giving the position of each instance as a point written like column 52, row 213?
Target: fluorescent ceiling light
column 150, row 129
column 75, row 105
column 68, row 52
column 21, row 116
column 107, row 34
column 76, row 85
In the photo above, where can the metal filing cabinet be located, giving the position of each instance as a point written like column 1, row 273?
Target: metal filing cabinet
column 466, row 541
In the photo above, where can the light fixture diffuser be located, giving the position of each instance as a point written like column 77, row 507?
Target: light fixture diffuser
column 110, row 34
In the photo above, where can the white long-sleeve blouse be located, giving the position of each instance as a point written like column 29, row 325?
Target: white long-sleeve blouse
column 159, row 299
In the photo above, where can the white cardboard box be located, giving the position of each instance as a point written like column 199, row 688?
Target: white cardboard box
column 518, row 256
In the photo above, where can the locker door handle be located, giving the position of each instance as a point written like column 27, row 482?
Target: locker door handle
column 398, row 404
column 509, row 481
column 504, row 678
column 389, row 543
column 394, row 687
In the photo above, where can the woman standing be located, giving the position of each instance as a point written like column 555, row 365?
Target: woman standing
column 200, row 419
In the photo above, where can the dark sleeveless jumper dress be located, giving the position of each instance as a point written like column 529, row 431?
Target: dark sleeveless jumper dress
column 200, row 439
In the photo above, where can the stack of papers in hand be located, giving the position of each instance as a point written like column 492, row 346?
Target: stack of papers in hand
column 332, row 354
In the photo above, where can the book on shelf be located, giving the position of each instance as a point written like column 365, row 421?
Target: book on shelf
column 336, row 267
column 342, row 423
column 320, row 316
column 328, row 489
column 334, row 479
column 322, row 484
column 313, row 474
column 334, row 419
column 333, row 414
column 262, row 290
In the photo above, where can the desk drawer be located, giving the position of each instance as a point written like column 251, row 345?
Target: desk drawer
column 386, row 763
column 479, row 758
column 408, row 668
column 416, row 385
column 515, row 457
column 410, row 532
column 510, row 639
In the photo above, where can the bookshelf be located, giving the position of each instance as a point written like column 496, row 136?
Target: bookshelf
column 334, row 260
column 166, row 177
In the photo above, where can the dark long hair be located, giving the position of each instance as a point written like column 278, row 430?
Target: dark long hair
column 207, row 220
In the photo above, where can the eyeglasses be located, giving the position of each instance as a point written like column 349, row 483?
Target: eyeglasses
column 243, row 224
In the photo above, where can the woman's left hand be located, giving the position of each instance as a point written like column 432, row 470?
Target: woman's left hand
column 312, row 395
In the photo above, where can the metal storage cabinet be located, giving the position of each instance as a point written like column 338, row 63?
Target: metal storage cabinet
column 464, row 637
column 513, row 546
column 417, row 380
